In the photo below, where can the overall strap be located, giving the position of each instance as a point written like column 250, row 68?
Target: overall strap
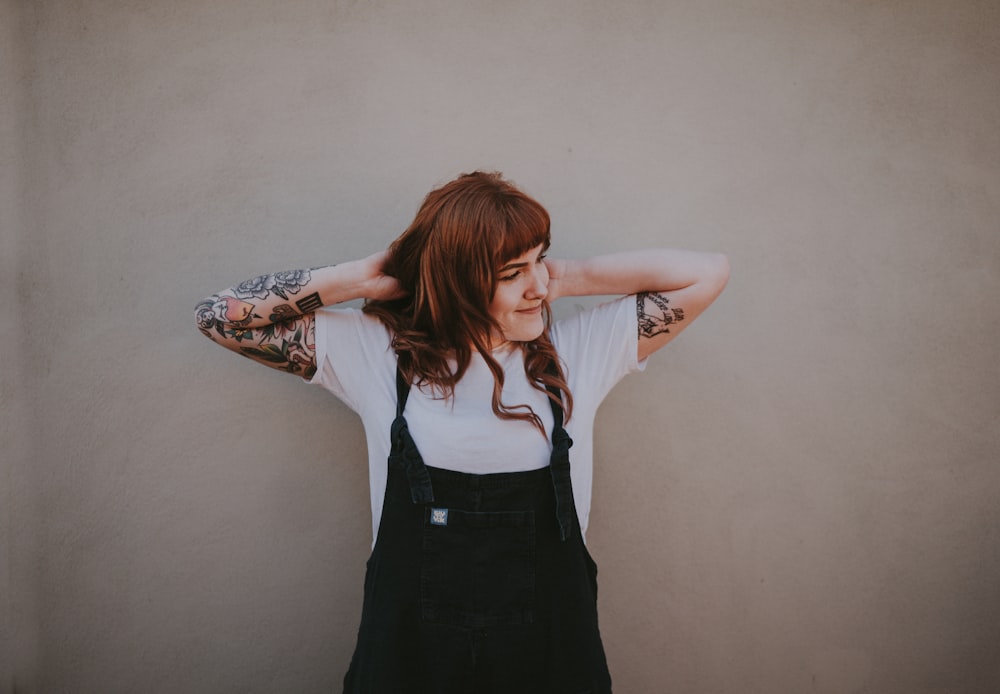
column 559, row 464
column 402, row 391
column 404, row 451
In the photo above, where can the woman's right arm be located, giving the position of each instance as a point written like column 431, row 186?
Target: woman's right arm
column 271, row 318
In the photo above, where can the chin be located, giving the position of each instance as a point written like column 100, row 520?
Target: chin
column 526, row 335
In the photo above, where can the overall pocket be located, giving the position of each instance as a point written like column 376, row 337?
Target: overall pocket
column 478, row 568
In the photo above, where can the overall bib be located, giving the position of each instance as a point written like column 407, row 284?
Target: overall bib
column 478, row 584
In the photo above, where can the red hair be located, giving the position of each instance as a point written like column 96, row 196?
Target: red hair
column 447, row 262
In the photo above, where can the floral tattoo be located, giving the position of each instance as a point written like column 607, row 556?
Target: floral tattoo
column 655, row 315
column 290, row 355
column 281, row 283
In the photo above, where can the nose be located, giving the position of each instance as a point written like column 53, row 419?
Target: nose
column 539, row 287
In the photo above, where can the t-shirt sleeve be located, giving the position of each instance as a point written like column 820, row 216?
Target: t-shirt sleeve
column 599, row 346
column 354, row 357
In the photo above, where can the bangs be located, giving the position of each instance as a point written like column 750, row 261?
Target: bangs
column 525, row 226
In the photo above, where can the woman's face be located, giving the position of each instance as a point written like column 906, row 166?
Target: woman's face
column 522, row 284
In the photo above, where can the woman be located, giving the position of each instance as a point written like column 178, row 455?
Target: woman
column 479, row 580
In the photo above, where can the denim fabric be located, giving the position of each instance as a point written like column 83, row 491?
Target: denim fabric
column 478, row 584
column 478, row 569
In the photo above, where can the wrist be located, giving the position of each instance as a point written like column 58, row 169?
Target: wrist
column 565, row 278
column 336, row 284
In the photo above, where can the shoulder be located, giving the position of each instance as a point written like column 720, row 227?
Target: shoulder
column 598, row 346
column 344, row 322
column 612, row 319
column 348, row 338
column 354, row 357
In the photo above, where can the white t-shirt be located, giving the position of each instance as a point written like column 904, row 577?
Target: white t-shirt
column 356, row 363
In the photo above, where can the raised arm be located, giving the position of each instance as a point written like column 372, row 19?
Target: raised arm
column 671, row 287
column 270, row 318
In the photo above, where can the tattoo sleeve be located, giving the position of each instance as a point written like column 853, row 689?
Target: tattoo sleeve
column 285, row 344
column 655, row 315
column 286, row 341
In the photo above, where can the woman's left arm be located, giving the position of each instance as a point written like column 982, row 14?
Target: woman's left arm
column 671, row 287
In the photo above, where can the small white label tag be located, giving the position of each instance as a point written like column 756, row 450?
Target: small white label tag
column 439, row 516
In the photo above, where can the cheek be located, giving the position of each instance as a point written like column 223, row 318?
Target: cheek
column 504, row 301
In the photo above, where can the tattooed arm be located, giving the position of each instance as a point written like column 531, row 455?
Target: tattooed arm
column 671, row 287
column 270, row 318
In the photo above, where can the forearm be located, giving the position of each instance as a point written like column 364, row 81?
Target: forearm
column 632, row 272
column 277, row 297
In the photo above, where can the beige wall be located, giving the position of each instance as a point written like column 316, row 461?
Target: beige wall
column 800, row 495
column 18, row 407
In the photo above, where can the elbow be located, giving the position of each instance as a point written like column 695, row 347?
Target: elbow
column 205, row 317
column 716, row 272
column 721, row 264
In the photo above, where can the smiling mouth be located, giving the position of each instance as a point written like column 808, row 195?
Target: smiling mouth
column 535, row 309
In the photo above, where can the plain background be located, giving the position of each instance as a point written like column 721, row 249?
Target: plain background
column 799, row 495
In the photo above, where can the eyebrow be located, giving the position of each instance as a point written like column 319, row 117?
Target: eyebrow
column 512, row 266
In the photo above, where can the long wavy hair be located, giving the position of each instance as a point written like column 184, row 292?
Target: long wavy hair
column 447, row 262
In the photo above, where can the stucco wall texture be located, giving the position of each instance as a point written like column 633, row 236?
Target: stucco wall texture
column 799, row 495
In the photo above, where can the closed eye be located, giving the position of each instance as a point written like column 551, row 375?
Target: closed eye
column 517, row 273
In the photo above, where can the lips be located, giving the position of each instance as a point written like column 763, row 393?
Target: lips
column 531, row 311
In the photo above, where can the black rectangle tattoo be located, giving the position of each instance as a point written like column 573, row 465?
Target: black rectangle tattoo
column 309, row 303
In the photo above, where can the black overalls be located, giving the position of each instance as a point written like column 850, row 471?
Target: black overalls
column 478, row 584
